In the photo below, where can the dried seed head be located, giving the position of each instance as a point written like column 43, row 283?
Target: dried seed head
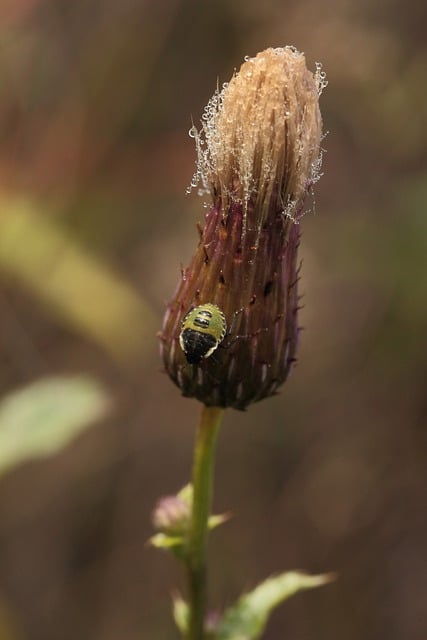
column 258, row 156
column 260, row 137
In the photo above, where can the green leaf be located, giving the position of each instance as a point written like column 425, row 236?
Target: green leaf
column 186, row 494
column 43, row 417
column 247, row 619
column 163, row 541
column 216, row 520
column 174, row 543
column 180, row 614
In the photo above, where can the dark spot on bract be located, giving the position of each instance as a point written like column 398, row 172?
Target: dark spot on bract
column 268, row 287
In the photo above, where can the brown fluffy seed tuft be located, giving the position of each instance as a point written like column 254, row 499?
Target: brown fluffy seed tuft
column 260, row 137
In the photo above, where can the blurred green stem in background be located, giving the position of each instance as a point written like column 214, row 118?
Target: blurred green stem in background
column 204, row 452
column 83, row 292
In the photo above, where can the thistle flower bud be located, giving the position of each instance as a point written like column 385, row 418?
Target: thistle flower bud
column 230, row 332
column 172, row 515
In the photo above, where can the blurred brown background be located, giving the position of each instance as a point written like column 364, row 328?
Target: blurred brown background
column 96, row 99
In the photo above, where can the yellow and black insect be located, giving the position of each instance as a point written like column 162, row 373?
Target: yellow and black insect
column 202, row 331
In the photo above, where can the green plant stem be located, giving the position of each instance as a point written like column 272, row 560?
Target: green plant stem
column 204, row 453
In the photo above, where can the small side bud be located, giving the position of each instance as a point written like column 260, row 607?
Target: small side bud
column 172, row 516
column 230, row 333
column 171, row 519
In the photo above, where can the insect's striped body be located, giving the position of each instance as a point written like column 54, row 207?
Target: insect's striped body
column 203, row 329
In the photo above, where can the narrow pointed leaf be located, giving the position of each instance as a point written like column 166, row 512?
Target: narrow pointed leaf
column 163, row 541
column 247, row 619
column 216, row 520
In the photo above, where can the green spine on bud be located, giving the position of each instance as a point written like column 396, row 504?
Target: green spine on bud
column 258, row 156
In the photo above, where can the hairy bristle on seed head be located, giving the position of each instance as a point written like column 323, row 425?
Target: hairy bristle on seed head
column 260, row 137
